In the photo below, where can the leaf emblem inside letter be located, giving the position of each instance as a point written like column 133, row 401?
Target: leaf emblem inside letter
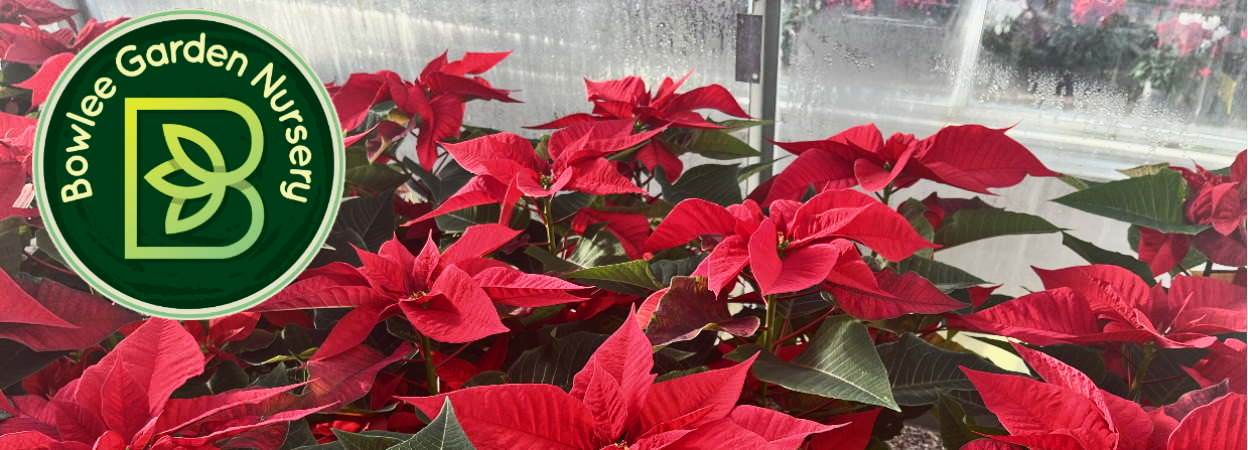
column 213, row 181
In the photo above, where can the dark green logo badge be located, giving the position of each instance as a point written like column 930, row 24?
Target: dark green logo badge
column 188, row 164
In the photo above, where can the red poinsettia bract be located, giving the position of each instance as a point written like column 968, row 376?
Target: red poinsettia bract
column 39, row 12
column 1068, row 411
column 627, row 98
column 124, row 401
column 1102, row 303
column 508, row 167
column 615, row 401
column 447, row 296
column 52, row 51
column 214, row 334
column 971, row 157
column 434, row 101
column 48, row 316
column 801, row 245
column 1220, row 201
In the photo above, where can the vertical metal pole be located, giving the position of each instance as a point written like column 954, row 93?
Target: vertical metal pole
column 755, row 107
column 970, row 36
column 771, row 69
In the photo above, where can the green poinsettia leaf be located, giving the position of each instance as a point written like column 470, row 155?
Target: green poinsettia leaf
column 368, row 178
column 713, row 182
column 920, row 372
column 21, row 362
column 1078, row 183
column 945, row 277
column 840, row 362
column 632, row 277
column 1155, row 201
column 443, row 433
column 368, row 440
column 969, row 225
column 719, row 144
column 1096, row 255
column 555, row 362
column 955, row 426
column 363, row 222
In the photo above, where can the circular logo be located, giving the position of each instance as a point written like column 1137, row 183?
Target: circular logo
column 188, row 164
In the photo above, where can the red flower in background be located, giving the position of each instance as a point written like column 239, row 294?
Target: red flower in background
column 860, row 6
column 970, row 157
column 1102, row 303
column 1198, row 4
column 447, row 296
column 627, row 98
column 433, row 102
column 507, row 166
column 1083, row 12
column 124, row 401
column 1068, row 411
column 615, row 401
column 1184, row 36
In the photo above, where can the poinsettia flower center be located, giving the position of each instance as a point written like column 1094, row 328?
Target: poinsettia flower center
column 782, row 242
column 546, row 181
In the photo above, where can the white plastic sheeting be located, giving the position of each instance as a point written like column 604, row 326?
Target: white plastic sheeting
column 555, row 43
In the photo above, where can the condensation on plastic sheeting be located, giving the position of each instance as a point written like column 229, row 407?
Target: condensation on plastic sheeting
column 913, row 66
column 556, row 43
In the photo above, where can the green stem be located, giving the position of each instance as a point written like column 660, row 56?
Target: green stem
column 769, row 323
column 1208, row 268
column 1141, row 370
column 547, row 219
column 886, row 194
column 431, row 367
column 765, row 338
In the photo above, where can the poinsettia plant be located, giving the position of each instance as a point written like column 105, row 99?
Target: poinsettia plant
column 581, row 284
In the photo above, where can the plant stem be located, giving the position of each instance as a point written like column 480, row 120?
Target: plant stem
column 769, row 323
column 1208, row 268
column 1141, row 370
column 807, row 326
column 765, row 338
column 431, row 367
column 885, row 194
column 547, row 219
